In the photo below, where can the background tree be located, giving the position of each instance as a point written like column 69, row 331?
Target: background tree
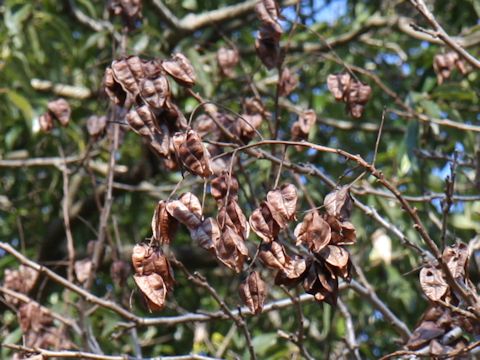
column 81, row 179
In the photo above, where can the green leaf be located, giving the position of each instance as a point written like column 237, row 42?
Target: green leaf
column 21, row 103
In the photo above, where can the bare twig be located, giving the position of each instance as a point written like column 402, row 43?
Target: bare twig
column 442, row 34
column 350, row 329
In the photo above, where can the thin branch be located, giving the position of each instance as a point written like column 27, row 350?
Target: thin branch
column 442, row 34
column 102, row 230
column 65, row 354
column 350, row 329
column 24, row 298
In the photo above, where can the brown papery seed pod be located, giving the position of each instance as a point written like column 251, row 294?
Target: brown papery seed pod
column 96, row 125
column 288, row 82
column 222, row 184
column 60, row 110
column 339, row 84
column 262, row 223
column 253, row 292
column 231, row 249
column 227, row 59
column 339, row 203
column 180, row 69
column 282, row 204
column 183, row 214
column 46, row 122
column 163, row 224
column 314, row 232
column 192, row 153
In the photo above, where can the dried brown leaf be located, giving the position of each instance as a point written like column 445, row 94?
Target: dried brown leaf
column 253, row 292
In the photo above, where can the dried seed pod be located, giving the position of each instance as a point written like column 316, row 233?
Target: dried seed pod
column 21, row 280
column 357, row 98
column 335, row 255
column 273, row 255
column 267, row 46
column 443, row 64
column 432, row 282
column 155, row 92
column 282, row 204
column 351, row 91
column 339, row 84
column 301, row 127
column 222, row 184
column 119, row 271
column 60, row 110
column 153, row 289
column 339, row 203
column 231, row 249
column 262, row 223
column 83, row 269
column 322, row 284
column 113, row 89
column 207, row 234
column 192, row 203
column 247, row 125
column 192, row 153
column 46, row 122
column 96, row 125
column 253, row 292
column 253, row 106
column 456, row 258
column 227, row 59
column 180, row 69
column 148, row 260
column 142, row 121
column 230, row 214
column 163, row 224
column 127, row 72
column 288, row 82
column 39, row 330
column 183, row 214
column 292, row 273
column 314, row 232
column 422, row 335
column 268, row 13
column 129, row 10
